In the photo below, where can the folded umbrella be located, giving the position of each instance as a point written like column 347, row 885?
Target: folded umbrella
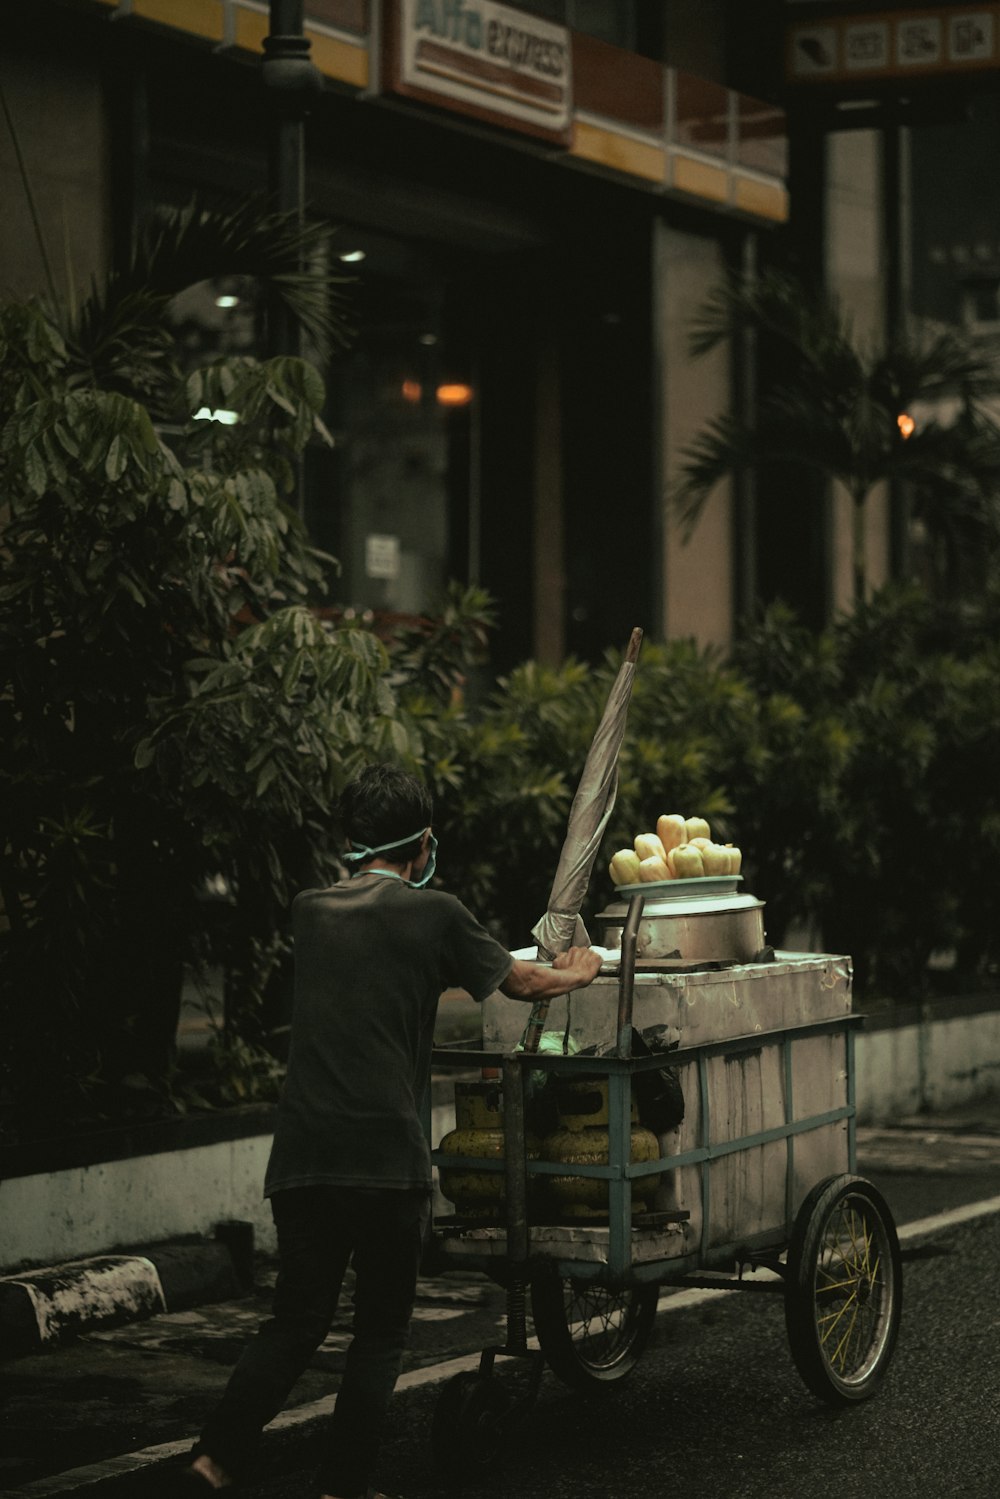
column 561, row 927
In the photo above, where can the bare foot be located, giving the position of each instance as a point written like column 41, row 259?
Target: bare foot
column 211, row 1471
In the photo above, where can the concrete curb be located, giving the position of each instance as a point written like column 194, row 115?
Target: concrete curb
column 45, row 1306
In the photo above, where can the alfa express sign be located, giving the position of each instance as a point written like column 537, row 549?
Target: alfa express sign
column 482, row 59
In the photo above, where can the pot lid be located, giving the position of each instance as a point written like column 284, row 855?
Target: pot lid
column 704, row 884
column 708, row 904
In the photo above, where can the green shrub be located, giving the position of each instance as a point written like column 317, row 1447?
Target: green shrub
column 855, row 768
column 173, row 717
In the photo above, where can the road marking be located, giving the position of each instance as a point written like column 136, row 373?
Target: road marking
column 953, row 1216
column 78, row 1480
column 677, row 1301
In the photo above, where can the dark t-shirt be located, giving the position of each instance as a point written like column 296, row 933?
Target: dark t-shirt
column 372, row 957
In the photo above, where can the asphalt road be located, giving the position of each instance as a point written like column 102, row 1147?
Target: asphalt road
column 716, row 1409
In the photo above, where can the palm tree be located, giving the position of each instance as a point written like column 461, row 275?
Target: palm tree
column 841, row 410
column 120, row 336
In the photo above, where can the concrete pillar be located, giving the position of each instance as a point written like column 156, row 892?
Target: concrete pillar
column 697, row 592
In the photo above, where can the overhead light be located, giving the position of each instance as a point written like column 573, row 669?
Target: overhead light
column 227, row 301
column 350, row 256
column 454, row 395
column 906, row 425
column 227, row 418
column 428, row 339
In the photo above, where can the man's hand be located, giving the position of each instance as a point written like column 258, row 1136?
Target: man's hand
column 572, row 969
column 583, row 958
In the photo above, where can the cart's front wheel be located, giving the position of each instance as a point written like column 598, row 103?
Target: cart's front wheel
column 843, row 1289
column 468, row 1426
column 591, row 1336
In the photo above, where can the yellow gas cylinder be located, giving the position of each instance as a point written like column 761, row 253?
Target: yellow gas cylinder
column 583, row 1139
column 478, row 1132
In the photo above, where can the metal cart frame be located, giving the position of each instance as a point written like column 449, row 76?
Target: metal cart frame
column 805, row 1252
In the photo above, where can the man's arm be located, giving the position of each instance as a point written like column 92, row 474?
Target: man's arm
column 573, row 969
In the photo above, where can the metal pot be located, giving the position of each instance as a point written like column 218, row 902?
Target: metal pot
column 725, row 928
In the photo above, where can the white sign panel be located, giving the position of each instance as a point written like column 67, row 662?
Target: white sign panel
column 866, row 46
column 382, row 556
column 970, row 38
column 918, row 42
column 489, row 57
column 814, row 50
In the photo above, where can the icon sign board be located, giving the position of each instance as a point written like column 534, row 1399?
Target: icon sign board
column 894, row 44
column 866, row 46
column 970, row 38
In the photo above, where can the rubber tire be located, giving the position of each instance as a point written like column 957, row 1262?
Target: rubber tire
column 834, row 1373
column 468, row 1427
column 585, row 1362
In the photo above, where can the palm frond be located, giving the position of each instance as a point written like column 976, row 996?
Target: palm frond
column 127, row 312
column 912, row 369
column 774, row 304
column 290, row 255
column 830, row 403
column 723, row 447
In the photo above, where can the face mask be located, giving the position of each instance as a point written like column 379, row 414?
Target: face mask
column 361, row 852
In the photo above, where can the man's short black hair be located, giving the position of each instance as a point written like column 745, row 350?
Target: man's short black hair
column 382, row 804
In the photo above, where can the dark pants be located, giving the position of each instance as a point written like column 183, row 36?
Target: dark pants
column 319, row 1230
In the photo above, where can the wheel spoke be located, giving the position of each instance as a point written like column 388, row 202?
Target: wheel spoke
column 592, row 1335
column 839, row 1355
column 597, row 1320
column 843, row 1298
column 848, row 1268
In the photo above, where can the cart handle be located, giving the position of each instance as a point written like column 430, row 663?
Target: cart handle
column 626, row 973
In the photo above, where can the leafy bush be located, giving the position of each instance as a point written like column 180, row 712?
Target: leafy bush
column 855, row 768
column 173, row 715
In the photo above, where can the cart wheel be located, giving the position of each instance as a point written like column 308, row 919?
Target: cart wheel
column 843, row 1289
column 469, row 1425
column 591, row 1336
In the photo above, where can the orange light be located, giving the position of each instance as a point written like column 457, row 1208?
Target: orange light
column 906, row 425
column 454, row 395
column 412, row 390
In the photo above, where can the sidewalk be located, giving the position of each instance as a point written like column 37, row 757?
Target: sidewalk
column 100, row 1413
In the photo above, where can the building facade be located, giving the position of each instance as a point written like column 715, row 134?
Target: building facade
column 535, row 200
column 893, row 113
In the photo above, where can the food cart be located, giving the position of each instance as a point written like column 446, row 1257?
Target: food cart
column 745, row 1059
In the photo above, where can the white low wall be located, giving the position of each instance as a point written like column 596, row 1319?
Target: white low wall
column 84, row 1210
column 61, row 1215
column 933, row 1065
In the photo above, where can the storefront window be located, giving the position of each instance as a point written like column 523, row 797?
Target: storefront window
column 761, row 142
column 956, row 224
column 702, row 115
column 216, row 318
column 955, row 281
column 388, row 499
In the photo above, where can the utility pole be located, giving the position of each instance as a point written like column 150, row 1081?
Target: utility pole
column 292, row 80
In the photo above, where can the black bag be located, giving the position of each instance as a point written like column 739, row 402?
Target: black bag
column 658, row 1093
